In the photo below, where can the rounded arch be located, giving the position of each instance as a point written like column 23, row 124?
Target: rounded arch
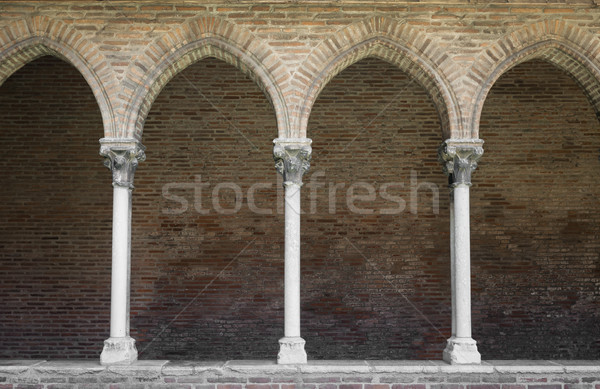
column 566, row 47
column 392, row 41
column 198, row 39
column 27, row 40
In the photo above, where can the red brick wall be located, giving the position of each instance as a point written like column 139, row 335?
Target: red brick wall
column 375, row 283
column 56, row 210
column 536, row 212
column 121, row 48
column 218, row 277
column 209, row 286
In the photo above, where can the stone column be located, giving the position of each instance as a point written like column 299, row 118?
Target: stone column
column 459, row 158
column 452, row 259
column 292, row 158
column 121, row 156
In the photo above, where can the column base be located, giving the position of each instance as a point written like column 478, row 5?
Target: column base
column 119, row 351
column 462, row 351
column 291, row 350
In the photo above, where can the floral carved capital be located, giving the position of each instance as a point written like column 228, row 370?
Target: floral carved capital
column 459, row 159
column 292, row 158
column 122, row 158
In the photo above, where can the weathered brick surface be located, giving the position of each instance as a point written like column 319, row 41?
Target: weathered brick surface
column 457, row 49
column 215, row 279
column 375, row 285
column 55, row 229
column 372, row 264
column 535, row 210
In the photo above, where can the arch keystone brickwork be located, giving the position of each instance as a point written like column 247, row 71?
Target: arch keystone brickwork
column 24, row 41
column 565, row 46
column 207, row 36
column 391, row 40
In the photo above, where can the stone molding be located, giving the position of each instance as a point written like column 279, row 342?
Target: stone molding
column 292, row 158
column 122, row 157
column 459, row 159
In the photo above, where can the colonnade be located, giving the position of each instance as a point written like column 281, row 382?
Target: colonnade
column 292, row 160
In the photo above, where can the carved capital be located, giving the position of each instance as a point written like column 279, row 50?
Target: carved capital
column 292, row 158
column 122, row 156
column 459, row 159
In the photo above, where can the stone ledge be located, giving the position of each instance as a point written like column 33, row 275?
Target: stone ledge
column 267, row 374
column 155, row 368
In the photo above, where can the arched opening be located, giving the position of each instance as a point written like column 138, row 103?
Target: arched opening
column 536, row 218
column 417, row 66
column 207, row 254
column 19, row 53
column 567, row 56
column 55, row 215
column 157, row 73
column 375, row 229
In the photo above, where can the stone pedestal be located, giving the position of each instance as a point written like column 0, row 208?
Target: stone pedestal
column 291, row 350
column 461, row 351
column 119, row 351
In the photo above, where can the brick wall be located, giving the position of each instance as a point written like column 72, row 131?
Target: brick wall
column 535, row 219
column 55, row 207
column 127, row 51
column 217, row 273
column 208, row 285
column 375, row 269
column 351, row 304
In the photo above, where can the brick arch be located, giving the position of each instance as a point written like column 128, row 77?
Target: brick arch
column 26, row 40
column 565, row 46
column 203, row 37
column 392, row 41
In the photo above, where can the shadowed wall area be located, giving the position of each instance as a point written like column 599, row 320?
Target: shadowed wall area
column 536, row 219
column 207, row 270
column 55, row 216
column 376, row 248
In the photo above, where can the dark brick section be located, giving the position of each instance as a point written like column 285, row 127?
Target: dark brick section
column 214, row 277
column 375, row 277
column 55, row 216
column 536, row 220
column 375, row 285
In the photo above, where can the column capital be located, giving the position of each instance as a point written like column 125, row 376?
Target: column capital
column 122, row 156
column 292, row 158
column 459, row 159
